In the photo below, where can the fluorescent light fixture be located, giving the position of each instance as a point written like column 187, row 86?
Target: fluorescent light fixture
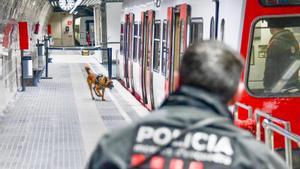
column 75, row 12
column 77, row 3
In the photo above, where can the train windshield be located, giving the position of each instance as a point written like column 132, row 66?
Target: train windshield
column 274, row 60
column 279, row 2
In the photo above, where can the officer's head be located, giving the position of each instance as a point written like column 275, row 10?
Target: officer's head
column 212, row 66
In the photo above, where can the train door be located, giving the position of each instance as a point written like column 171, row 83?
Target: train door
column 130, row 53
column 177, row 19
column 142, row 53
column 89, row 29
column 92, row 33
column 147, row 41
column 126, row 49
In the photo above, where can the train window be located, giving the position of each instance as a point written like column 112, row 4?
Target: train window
column 182, row 38
column 164, row 47
column 279, row 2
column 274, row 59
column 212, row 28
column 156, row 53
column 222, row 29
column 196, row 30
column 135, row 41
column 122, row 39
column 140, row 43
column 127, row 39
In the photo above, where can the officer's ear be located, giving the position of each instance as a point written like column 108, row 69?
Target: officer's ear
column 238, row 93
column 177, row 79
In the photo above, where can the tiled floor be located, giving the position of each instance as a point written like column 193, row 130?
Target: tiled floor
column 56, row 125
column 41, row 129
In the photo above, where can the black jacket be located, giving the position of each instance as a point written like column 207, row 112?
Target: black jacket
column 280, row 54
column 220, row 145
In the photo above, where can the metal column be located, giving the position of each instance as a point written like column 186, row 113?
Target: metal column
column 97, row 24
column 101, row 28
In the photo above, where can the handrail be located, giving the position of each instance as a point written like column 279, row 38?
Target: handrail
column 287, row 127
column 259, row 114
column 108, row 43
column 73, row 48
column 270, row 128
column 244, row 106
column 78, row 48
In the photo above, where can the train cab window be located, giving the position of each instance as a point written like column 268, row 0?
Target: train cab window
column 164, row 47
column 196, row 30
column 122, row 39
column 135, row 41
column 279, row 2
column 212, row 28
column 156, row 53
column 274, row 57
column 222, row 29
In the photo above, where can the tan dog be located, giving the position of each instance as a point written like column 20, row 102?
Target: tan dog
column 98, row 83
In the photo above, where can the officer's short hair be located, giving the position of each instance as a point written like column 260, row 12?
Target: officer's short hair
column 212, row 66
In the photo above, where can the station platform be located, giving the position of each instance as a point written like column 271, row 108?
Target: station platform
column 57, row 125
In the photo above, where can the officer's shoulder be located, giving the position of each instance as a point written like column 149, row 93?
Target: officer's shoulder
column 258, row 149
column 123, row 130
column 117, row 135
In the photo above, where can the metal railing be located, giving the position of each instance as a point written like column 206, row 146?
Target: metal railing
column 241, row 105
column 75, row 48
column 270, row 125
column 108, row 50
column 259, row 114
column 270, row 128
column 269, row 136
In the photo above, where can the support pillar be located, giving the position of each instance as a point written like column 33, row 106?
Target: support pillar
column 97, row 29
column 101, row 29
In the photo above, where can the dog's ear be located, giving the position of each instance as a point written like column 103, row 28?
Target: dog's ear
column 110, row 84
column 87, row 68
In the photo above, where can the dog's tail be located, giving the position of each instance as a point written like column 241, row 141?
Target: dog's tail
column 87, row 69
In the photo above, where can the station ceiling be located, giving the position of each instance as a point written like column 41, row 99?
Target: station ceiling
column 85, row 7
column 94, row 2
column 87, row 2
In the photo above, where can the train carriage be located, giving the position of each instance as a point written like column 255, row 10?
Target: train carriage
column 154, row 35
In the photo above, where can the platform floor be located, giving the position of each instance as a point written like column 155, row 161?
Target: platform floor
column 57, row 125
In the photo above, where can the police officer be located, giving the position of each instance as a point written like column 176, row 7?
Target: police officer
column 193, row 129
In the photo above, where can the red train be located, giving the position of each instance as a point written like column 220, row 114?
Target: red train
column 154, row 34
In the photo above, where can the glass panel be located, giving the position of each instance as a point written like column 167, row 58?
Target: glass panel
column 127, row 39
column 156, row 57
column 135, row 33
column 140, row 44
column 274, row 58
column 122, row 40
column 135, row 41
column 182, row 39
column 196, row 30
column 280, row 2
column 164, row 48
column 212, row 28
column 222, row 29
